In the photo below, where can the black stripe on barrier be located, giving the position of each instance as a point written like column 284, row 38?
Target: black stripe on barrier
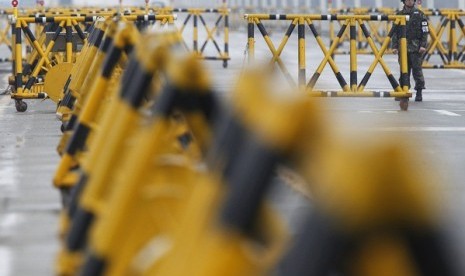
column 97, row 38
column 460, row 23
column 128, row 49
column 30, row 83
column 301, row 31
column 19, row 80
column 278, row 16
column 262, row 29
column 248, row 184
column 290, row 30
column 134, row 91
column 353, row 32
column 107, row 42
column 340, row 79
column 393, row 81
column 79, row 31
column 69, row 34
column 166, row 101
column 41, row 95
column 226, row 21
column 186, row 20
column 342, row 30
column 313, row 80
column 110, row 61
column 365, row 79
column 78, row 140
column 444, row 24
column 70, row 102
column 250, row 30
column 18, row 36
column 67, row 95
column 76, row 194
column 217, row 21
column 192, row 101
column 353, row 77
column 77, row 236
column 57, row 33
column 404, row 79
column 302, row 76
column 72, row 121
column 379, row 17
column 94, row 265
column 28, row 33
column 89, row 19
column 313, row 29
column 91, row 37
column 393, row 29
column 365, row 31
column 226, row 47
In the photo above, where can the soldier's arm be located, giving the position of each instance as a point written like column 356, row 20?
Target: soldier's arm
column 424, row 31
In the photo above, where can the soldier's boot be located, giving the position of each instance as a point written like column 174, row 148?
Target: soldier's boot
column 418, row 96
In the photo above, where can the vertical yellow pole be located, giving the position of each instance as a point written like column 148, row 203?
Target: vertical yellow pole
column 302, row 66
column 353, row 55
column 403, row 55
column 251, row 39
column 69, row 41
column 18, row 58
column 453, row 39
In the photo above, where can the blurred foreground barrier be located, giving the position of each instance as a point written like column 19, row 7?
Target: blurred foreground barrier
column 371, row 221
column 354, row 89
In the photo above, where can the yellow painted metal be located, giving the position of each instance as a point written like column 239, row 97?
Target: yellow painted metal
column 55, row 80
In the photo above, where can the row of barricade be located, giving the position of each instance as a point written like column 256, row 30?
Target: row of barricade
column 159, row 177
column 445, row 40
column 59, row 38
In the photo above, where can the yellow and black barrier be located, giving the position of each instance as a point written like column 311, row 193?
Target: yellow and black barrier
column 44, row 58
column 448, row 49
column 197, row 46
column 120, row 119
column 378, row 28
column 353, row 89
column 85, row 116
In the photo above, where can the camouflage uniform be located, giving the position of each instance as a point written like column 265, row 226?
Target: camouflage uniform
column 417, row 35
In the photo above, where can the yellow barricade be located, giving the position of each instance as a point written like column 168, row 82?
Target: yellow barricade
column 354, row 89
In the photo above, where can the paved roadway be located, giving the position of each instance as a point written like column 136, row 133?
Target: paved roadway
column 29, row 205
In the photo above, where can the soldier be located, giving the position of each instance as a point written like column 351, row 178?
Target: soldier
column 417, row 34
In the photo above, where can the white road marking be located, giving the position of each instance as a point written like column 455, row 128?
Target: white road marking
column 5, row 261
column 448, row 113
column 420, row 129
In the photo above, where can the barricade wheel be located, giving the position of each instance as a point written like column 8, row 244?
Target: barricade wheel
column 20, row 106
column 403, row 104
column 225, row 64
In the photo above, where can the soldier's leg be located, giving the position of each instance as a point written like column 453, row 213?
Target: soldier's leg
column 418, row 76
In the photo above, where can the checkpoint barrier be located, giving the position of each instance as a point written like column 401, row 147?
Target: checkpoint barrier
column 119, row 128
column 81, row 80
column 40, row 60
column 84, row 115
column 354, row 89
column 198, row 47
column 450, row 51
column 378, row 29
